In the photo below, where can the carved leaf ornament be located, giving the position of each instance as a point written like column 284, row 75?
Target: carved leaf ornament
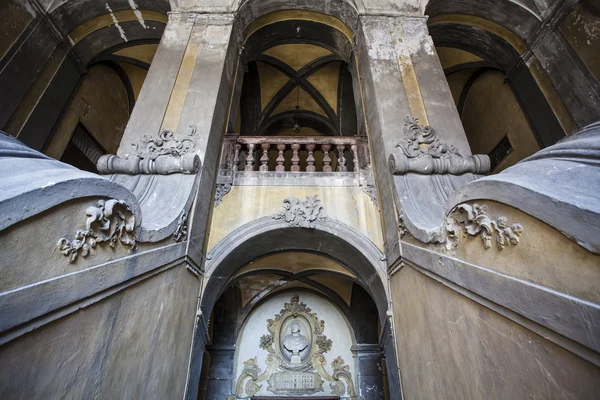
column 302, row 214
column 111, row 221
column 473, row 220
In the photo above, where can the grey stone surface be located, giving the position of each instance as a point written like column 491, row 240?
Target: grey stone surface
column 558, row 185
column 31, row 183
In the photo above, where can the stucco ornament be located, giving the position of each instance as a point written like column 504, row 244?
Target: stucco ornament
column 111, row 221
column 422, row 152
column 301, row 214
column 162, row 155
column 181, row 231
column 220, row 192
column 474, row 220
column 296, row 363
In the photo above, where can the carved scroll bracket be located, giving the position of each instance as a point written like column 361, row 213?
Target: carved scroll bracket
column 220, row 192
column 181, row 231
column 422, row 152
column 111, row 221
column 302, row 214
column 162, row 155
column 473, row 220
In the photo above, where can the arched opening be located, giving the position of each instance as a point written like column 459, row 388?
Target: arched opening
column 294, row 89
column 507, row 107
column 73, row 99
column 266, row 259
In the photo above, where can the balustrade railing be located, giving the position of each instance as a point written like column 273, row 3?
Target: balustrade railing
column 294, row 154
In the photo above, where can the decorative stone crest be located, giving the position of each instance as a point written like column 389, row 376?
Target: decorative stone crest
column 301, row 214
column 473, row 220
column 220, row 192
column 422, row 152
column 296, row 363
column 181, row 231
column 111, row 221
column 161, row 155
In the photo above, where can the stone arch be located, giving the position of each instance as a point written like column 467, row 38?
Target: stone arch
column 266, row 235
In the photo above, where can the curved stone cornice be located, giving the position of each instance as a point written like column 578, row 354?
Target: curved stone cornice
column 31, row 183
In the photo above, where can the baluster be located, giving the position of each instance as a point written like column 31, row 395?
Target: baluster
column 250, row 158
column 280, row 158
column 310, row 159
column 341, row 159
column 264, row 159
column 355, row 156
column 326, row 158
column 236, row 157
column 295, row 158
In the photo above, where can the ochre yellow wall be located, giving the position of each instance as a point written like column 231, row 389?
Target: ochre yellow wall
column 451, row 347
column 101, row 105
column 248, row 203
column 14, row 19
column 490, row 112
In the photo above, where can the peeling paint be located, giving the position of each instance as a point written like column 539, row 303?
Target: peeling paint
column 137, row 13
column 116, row 21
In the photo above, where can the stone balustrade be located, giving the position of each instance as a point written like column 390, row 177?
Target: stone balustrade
column 295, row 153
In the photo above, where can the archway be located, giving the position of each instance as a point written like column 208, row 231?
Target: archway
column 263, row 248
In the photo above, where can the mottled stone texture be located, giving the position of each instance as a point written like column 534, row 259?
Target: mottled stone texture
column 451, row 347
column 134, row 344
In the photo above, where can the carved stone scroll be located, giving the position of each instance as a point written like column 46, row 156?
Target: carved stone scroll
column 181, row 231
column 111, row 221
column 162, row 155
column 220, row 192
column 301, row 214
column 423, row 153
column 473, row 220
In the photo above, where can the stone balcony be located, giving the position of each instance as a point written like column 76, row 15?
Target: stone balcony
column 293, row 160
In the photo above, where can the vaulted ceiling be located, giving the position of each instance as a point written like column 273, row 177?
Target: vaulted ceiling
column 297, row 73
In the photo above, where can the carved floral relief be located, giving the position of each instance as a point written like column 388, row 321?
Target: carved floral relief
column 296, row 363
column 473, row 220
column 110, row 221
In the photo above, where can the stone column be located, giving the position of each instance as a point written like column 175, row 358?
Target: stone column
column 220, row 373
column 370, row 379
column 402, row 76
column 151, row 106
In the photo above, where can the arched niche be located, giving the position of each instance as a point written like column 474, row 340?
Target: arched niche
column 321, row 330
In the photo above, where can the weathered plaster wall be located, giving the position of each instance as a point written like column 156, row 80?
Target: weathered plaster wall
column 451, row 347
column 491, row 112
column 134, row 344
column 20, row 266
column 101, row 105
column 544, row 256
column 581, row 27
column 248, row 203
column 336, row 328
